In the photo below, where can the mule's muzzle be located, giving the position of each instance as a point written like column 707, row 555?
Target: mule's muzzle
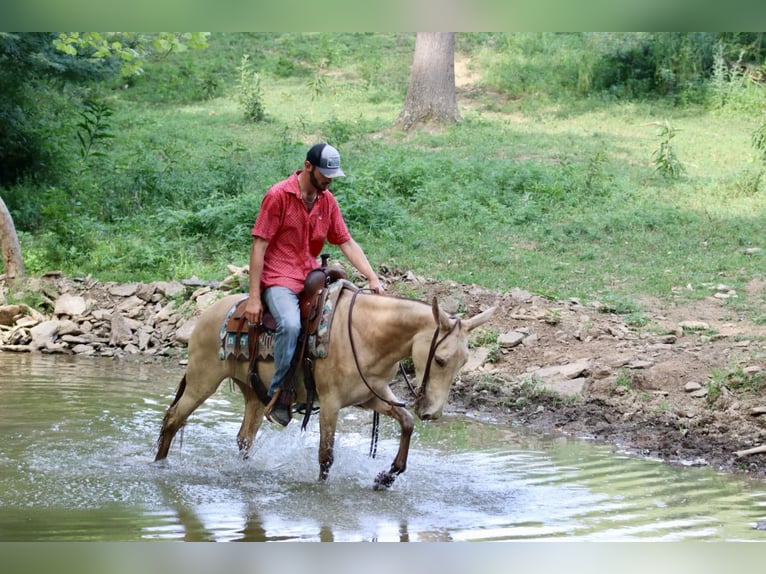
column 426, row 412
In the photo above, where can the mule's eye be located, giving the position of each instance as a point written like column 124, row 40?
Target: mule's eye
column 439, row 361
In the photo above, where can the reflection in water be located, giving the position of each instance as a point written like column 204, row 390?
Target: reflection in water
column 78, row 444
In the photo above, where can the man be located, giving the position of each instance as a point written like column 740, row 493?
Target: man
column 297, row 216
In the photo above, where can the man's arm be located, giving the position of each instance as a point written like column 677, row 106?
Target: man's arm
column 358, row 259
column 254, row 307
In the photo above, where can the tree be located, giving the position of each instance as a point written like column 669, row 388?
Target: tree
column 14, row 264
column 431, row 93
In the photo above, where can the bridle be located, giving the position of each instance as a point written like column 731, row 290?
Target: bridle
column 435, row 342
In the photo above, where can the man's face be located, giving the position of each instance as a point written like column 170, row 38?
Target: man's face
column 319, row 181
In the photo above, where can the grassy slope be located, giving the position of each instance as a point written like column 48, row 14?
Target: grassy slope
column 560, row 199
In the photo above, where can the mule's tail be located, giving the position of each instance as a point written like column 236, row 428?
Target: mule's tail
column 167, row 433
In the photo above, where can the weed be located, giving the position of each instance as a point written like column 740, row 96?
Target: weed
column 250, row 97
column 666, row 162
column 624, row 380
column 552, row 316
column 94, row 129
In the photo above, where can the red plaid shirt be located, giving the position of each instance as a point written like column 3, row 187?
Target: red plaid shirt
column 295, row 235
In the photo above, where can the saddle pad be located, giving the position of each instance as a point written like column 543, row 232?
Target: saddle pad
column 319, row 342
column 317, row 345
column 229, row 348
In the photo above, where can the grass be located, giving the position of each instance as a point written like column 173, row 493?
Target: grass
column 556, row 195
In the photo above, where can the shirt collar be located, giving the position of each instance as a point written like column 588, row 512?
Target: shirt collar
column 296, row 189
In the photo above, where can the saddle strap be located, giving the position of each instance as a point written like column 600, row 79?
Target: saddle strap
column 253, row 334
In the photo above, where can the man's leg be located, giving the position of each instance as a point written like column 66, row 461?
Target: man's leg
column 284, row 305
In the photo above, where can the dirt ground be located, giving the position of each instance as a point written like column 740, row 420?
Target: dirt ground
column 684, row 385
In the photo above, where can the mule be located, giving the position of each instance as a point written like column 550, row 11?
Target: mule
column 370, row 335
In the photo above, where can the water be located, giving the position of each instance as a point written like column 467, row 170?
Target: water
column 78, row 438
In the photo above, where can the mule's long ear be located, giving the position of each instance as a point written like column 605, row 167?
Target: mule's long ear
column 440, row 316
column 479, row 319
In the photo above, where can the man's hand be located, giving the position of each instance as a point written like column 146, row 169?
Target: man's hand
column 377, row 287
column 253, row 310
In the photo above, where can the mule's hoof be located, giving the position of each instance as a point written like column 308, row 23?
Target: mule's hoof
column 384, row 480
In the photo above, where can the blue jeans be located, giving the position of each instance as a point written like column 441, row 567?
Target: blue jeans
column 284, row 305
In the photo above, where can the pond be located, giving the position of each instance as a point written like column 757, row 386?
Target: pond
column 76, row 464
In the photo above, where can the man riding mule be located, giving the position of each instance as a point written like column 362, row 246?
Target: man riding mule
column 370, row 335
column 366, row 334
column 296, row 217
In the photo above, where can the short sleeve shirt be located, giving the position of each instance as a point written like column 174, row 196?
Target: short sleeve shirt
column 296, row 236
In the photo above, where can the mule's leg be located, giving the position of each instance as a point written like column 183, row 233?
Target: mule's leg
column 328, row 420
column 251, row 420
column 198, row 387
column 386, row 478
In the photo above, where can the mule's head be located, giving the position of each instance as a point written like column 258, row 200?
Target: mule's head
column 439, row 360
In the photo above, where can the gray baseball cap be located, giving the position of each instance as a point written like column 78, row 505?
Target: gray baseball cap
column 326, row 158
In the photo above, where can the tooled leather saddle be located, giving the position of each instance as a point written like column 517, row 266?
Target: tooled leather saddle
column 311, row 303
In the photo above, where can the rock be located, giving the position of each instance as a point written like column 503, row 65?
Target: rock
column 132, row 306
column 9, row 314
column 183, row 333
column 565, row 387
column 170, row 289
column 520, row 295
column 511, row 339
column 692, row 386
column 758, row 411
column 145, row 291
column 120, row 329
column 694, row 325
column 72, row 305
column 476, row 359
column 576, row 369
column 43, row 334
column 124, row 289
column 207, row 299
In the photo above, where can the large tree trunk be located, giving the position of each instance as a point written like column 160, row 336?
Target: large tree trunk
column 431, row 94
column 9, row 242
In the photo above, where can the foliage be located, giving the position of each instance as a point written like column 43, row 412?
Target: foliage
column 548, row 183
column 93, row 130
column 250, row 95
column 666, row 162
column 129, row 49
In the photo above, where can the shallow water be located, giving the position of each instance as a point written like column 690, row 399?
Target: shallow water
column 78, row 439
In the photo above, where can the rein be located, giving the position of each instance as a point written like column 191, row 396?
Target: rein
column 356, row 358
column 435, row 342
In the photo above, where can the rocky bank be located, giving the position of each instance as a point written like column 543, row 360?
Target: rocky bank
column 684, row 383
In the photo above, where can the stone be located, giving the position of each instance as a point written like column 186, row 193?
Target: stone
column 694, row 325
column 476, row 359
column 124, row 289
column 43, row 333
column 170, row 289
column 183, row 333
column 692, row 386
column 121, row 333
column 72, row 305
column 9, row 314
column 511, row 339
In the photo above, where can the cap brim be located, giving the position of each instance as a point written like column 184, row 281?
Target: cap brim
column 337, row 172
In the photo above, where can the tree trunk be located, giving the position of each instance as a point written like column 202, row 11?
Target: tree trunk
column 9, row 242
column 431, row 94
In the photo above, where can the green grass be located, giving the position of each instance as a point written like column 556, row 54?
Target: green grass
column 556, row 195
